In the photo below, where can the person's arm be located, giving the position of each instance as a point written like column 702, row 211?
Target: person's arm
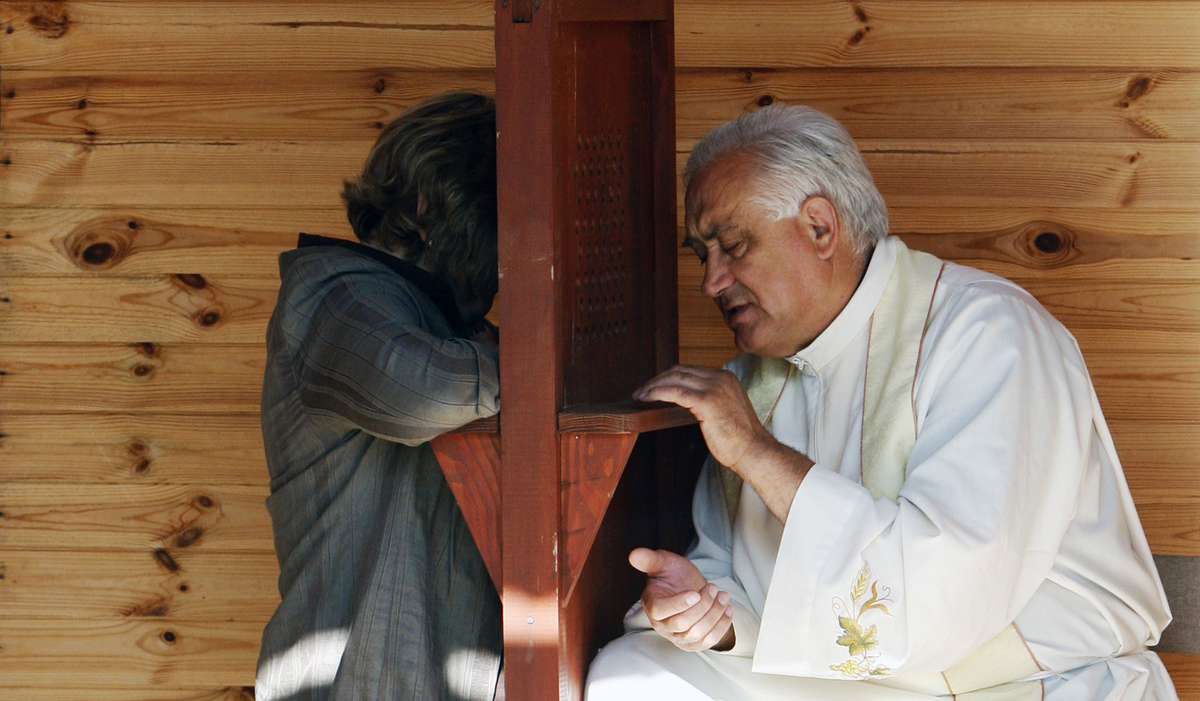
column 368, row 361
column 866, row 587
column 732, row 431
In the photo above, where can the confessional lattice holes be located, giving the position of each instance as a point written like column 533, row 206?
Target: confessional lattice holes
column 601, row 231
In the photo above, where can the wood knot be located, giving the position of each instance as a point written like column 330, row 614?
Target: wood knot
column 132, row 224
column 204, row 501
column 142, row 370
column 766, row 100
column 82, row 104
column 1133, row 158
column 1047, row 244
column 192, row 280
column 10, row 94
column 50, row 19
column 146, row 348
column 164, row 558
column 858, row 36
column 189, row 537
column 748, row 76
column 183, row 587
column 98, row 245
column 169, row 636
column 209, row 318
column 380, row 86
column 152, row 609
column 1137, row 87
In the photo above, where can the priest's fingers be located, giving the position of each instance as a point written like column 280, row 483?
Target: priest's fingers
column 684, row 620
column 660, row 608
column 709, row 630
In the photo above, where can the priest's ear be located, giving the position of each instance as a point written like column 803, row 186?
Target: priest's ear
column 822, row 225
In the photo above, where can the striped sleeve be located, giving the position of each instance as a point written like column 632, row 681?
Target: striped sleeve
column 369, row 361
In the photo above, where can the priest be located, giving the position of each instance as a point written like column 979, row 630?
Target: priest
column 911, row 489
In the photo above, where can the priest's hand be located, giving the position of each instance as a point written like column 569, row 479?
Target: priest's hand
column 717, row 400
column 681, row 604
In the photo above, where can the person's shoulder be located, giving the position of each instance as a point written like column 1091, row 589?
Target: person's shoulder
column 978, row 304
column 313, row 271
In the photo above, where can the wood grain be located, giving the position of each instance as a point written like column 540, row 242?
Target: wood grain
column 138, row 517
column 1024, row 174
column 168, row 173
column 273, row 104
column 139, row 378
column 109, row 446
column 623, row 417
column 149, row 308
column 908, row 33
column 139, row 240
column 1185, row 673
column 954, row 103
column 1085, row 245
column 130, row 36
column 591, row 465
column 168, row 586
column 471, row 463
column 57, row 693
column 130, row 653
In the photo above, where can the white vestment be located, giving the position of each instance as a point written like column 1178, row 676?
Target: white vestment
column 1014, row 511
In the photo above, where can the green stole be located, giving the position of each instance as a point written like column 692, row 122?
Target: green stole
column 889, row 432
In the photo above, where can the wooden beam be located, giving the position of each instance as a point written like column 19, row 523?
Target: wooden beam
column 592, row 464
column 471, row 462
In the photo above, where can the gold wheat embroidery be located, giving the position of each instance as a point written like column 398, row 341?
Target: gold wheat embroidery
column 860, row 641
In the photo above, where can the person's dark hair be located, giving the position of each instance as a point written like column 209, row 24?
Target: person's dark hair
column 433, row 169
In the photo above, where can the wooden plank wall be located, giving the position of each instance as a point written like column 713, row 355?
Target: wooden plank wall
column 156, row 155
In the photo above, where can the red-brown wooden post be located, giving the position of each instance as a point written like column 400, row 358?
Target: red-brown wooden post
column 585, row 147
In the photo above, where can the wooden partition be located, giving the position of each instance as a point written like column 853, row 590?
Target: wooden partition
column 156, row 156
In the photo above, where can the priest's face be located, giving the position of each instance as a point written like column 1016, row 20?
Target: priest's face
column 775, row 281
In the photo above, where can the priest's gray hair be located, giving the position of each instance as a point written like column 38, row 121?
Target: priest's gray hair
column 800, row 152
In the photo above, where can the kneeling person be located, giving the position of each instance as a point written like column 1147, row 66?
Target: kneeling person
column 375, row 348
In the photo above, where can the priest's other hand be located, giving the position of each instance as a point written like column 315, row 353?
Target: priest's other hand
column 719, row 403
column 681, row 604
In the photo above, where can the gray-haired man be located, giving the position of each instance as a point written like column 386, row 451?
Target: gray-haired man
column 912, row 491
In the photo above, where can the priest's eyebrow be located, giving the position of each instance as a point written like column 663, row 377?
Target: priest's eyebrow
column 707, row 235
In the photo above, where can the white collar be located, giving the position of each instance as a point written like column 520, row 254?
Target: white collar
column 850, row 321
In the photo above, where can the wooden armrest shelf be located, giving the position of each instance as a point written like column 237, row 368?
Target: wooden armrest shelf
column 595, row 442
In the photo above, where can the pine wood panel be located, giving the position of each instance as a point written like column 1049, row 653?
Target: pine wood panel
column 239, row 693
column 138, row 378
column 910, row 173
column 139, row 240
column 149, row 308
column 155, row 447
column 139, row 517
column 204, row 35
column 131, row 653
column 950, row 103
column 170, row 587
column 164, row 173
column 1084, row 245
column 1185, row 673
column 904, row 33
column 1024, row 174
column 225, row 106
